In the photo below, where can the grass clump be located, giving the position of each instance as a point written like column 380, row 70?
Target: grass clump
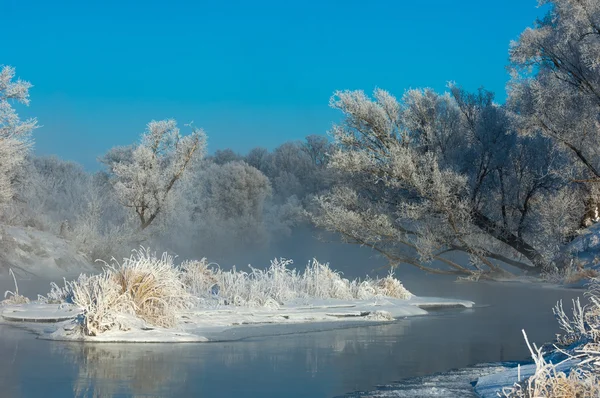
column 143, row 286
column 279, row 283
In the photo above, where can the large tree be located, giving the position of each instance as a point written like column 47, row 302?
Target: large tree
column 436, row 174
column 555, row 89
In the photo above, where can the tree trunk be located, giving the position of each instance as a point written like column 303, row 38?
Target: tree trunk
column 517, row 243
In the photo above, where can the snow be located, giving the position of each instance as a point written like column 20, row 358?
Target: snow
column 227, row 323
column 36, row 312
column 490, row 385
column 30, row 252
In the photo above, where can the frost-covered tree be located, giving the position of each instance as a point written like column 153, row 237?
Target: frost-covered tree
column 14, row 132
column 555, row 89
column 223, row 156
column 317, row 148
column 234, row 190
column 143, row 176
column 54, row 191
column 259, row 158
column 220, row 209
column 435, row 174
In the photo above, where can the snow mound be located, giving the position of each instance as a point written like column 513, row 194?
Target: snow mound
column 29, row 252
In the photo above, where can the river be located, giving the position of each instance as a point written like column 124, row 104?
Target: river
column 317, row 364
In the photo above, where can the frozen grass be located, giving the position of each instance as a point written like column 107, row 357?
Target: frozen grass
column 582, row 336
column 156, row 291
column 279, row 283
column 142, row 286
column 15, row 297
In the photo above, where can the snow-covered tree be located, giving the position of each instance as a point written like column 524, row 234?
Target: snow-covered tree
column 14, row 132
column 223, row 156
column 220, row 209
column 54, row 191
column 555, row 89
column 431, row 175
column 144, row 175
column 234, row 190
column 259, row 158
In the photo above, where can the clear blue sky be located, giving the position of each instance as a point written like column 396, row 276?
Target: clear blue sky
column 251, row 73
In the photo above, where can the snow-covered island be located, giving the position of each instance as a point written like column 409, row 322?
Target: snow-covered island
column 147, row 298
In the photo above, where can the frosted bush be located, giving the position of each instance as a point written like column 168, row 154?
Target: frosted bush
column 105, row 305
column 143, row 286
column 278, row 284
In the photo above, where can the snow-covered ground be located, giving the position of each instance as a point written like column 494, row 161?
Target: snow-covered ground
column 452, row 384
column 491, row 385
column 30, row 252
column 59, row 321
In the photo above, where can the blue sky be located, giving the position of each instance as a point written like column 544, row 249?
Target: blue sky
column 251, row 73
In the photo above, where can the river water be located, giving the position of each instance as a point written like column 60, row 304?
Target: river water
column 317, row 364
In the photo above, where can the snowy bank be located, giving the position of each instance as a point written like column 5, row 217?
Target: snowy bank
column 62, row 322
column 30, row 252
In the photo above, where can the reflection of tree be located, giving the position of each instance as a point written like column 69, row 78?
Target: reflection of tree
column 132, row 369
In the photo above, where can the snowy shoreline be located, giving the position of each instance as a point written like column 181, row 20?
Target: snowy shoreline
column 58, row 322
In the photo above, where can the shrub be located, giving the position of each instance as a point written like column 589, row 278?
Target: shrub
column 142, row 286
column 278, row 283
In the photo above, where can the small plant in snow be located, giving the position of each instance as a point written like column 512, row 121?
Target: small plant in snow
column 15, row 297
column 549, row 382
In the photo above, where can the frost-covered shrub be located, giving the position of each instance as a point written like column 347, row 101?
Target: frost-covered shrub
column 142, row 286
column 278, row 284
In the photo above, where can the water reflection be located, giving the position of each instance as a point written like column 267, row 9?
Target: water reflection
column 106, row 370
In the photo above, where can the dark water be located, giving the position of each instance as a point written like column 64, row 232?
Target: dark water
column 318, row 364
